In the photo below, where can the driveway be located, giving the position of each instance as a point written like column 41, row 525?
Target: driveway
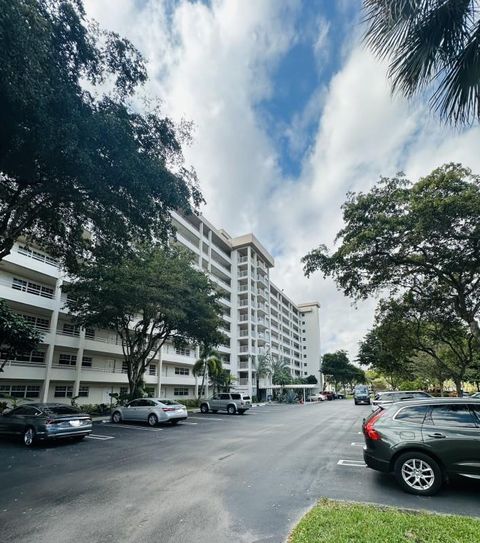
column 215, row 479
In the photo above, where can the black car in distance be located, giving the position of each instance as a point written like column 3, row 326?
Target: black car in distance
column 39, row 421
column 423, row 442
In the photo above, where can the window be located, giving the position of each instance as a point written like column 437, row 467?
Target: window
column 124, row 367
column 70, row 329
column 21, row 391
column 67, row 359
column 183, row 351
column 90, row 333
column 83, row 392
column 63, row 391
column 304, row 356
column 37, row 322
column 224, row 396
column 123, row 391
column 26, row 411
column 32, row 288
column 452, row 415
column 304, row 347
column 32, row 357
column 408, row 414
column 87, row 362
column 182, row 371
column 152, row 369
column 180, row 391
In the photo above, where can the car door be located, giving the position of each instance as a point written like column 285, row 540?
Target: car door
column 130, row 411
column 451, row 432
column 223, row 400
column 19, row 418
column 476, row 410
column 142, row 410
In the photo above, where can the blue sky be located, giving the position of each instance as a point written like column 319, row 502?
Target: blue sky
column 290, row 112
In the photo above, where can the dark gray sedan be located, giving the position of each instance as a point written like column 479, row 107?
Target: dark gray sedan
column 37, row 421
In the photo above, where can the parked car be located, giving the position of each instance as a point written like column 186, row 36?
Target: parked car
column 384, row 399
column 423, row 442
column 39, row 421
column 317, row 398
column 151, row 410
column 232, row 402
column 328, row 395
column 361, row 394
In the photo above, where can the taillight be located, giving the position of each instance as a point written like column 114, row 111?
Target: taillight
column 168, row 409
column 368, row 427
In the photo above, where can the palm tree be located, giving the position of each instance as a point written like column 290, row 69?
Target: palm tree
column 209, row 364
column 281, row 372
column 263, row 368
column 430, row 43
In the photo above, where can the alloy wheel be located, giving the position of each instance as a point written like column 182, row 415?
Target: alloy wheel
column 28, row 437
column 417, row 474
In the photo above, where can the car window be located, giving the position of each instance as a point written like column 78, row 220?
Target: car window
column 236, row 397
column 476, row 410
column 134, row 403
column 61, row 410
column 24, row 410
column 452, row 416
column 246, row 397
column 167, row 402
column 412, row 414
column 145, row 403
column 224, row 396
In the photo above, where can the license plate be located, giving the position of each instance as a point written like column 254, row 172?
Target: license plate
column 75, row 423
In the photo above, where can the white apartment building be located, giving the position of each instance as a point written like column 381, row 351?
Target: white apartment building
column 70, row 361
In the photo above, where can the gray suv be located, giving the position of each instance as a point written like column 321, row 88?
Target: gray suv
column 231, row 402
column 423, row 442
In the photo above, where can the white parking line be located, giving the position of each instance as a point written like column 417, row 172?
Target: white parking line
column 190, row 423
column 101, row 438
column 354, row 444
column 205, row 418
column 136, row 428
column 351, row 463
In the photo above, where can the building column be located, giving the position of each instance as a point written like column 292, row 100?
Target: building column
column 250, row 386
column 78, row 367
column 159, row 381
column 51, row 346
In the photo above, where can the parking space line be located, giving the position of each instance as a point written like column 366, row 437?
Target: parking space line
column 189, row 423
column 354, row 444
column 136, row 428
column 352, row 463
column 205, row 418
column 99, row 437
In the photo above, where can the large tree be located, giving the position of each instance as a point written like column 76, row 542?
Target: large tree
column 150, row 298
column 74, row 155
column 423, row 237
column 16, row 334
column 335, row 367
column 430, row 44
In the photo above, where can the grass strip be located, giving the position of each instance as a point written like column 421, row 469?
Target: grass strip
column 340, row 522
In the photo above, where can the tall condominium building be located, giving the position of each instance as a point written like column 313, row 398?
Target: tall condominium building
column 258, row 318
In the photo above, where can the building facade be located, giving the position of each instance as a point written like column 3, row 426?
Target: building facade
column 258, row 319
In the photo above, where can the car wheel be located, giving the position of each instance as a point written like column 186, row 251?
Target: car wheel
column 78, row 438
column 204, row 408
column 418, row 473
column 231, row 410
column 356, row 403
column 152, row 420
column 174, row 422
column 116, row 417
column 28, row 436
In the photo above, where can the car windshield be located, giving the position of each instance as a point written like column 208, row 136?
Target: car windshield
column 60, row 410
column 361, row 390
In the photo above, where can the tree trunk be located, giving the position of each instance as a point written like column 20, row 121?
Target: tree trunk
column 458, row 386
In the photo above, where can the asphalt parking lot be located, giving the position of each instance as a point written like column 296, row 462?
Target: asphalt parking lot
column 215, row 478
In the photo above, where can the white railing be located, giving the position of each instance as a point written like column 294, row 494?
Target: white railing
column 243, row 318
column 243, row 259
column 243, row 365
column 244, row 348
column 25, row 364
column 242, row 274
column 243, row 381
column 35, row 255
column 29, row 288
column 243, row 303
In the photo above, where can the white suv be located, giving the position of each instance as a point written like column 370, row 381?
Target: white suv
column 231, row 402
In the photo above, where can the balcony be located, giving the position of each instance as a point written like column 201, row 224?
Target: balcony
column 242, row 274
column 27, row 293
column 262, row 307
column 242, row 259
column 243, row 302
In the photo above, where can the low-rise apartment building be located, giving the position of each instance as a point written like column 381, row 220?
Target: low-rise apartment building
column 88, row 363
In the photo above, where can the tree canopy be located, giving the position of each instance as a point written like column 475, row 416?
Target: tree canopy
column 16, row 334
column 149, row 298
column 74, row 154
column 431, row 44
column 337, row 368
column 422, row 237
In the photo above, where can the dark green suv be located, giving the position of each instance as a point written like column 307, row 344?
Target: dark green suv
column 424, row 441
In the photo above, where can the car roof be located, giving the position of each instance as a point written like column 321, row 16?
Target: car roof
column 437, row 401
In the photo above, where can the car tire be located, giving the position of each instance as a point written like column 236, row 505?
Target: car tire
column 356, row 403
column 116, row 417
column 204, row 408
column 79, row 438
column 231, row 410
column 152, row 419
column 28, row 436
column 174, row 422
column 418, row 473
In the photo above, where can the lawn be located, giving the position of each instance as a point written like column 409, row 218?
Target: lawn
column 340, row 522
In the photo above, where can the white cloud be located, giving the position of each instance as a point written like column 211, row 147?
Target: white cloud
column 212, row 65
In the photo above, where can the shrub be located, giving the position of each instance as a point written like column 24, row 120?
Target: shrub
column 189, row 403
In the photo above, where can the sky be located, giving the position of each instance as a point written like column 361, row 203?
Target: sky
column 290, row 112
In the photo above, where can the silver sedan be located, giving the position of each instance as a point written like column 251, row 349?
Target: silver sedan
column 151, row 410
